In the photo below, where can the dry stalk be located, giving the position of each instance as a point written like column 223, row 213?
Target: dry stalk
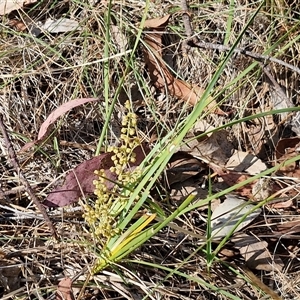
column 14, row 161
column 193, row 41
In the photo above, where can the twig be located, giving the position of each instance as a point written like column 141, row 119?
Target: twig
column 193, row 41
column 187, row 25
column 15, row 164
column 186, row 19
column 259, row 57
column 15, row 190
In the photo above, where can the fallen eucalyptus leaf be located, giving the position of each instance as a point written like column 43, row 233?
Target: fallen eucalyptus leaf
column 245, row 162
column 79, row 181
column 256, row 253
column 228, row 213
column 60, row 25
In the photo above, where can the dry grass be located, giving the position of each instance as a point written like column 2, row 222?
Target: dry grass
column 37, row 74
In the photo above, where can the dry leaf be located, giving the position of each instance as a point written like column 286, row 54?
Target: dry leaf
column 9, row 275
column 255, row 253
column 279, row 98
column 245, row 162
column 214, row 147
column 181, row 190
column 61, row 110
column 283, row 204
column 79, row 181
column 182, row 166
column 7, row 6
column 162, row 77
column 18, row 25
column 159, row 73
column 64, row 290
column 60, row 25
column 289, row 227
column 233, row 178
column 202, row 126
column 157, row 22
column 228, row 213
column 250, row 190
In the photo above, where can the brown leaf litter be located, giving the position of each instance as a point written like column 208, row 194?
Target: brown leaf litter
column 64, row 290
column 79, row 181
column 159, row 72
column 51, row 119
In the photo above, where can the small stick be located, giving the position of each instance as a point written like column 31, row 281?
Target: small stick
column 188, row 27
column 186, row 19
column 193, row 41
column 15, row 164
column 259, row 57
column 15, row 190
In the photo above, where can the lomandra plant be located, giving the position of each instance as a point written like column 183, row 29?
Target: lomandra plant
column 116, row 221
column 113, row 217
column 103, row 215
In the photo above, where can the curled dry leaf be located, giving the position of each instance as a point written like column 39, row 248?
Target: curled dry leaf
column 60, row 25
column 256, row 253
column 79, row 181
column 287, row 145
column 160, row 74
column 242, row 161
column 214, row 147
column 61, row 110
column 182, row 166
column 228, row 213
column 285, row 149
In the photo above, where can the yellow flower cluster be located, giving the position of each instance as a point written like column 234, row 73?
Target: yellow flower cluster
column 99, row 216
column 102, row 217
